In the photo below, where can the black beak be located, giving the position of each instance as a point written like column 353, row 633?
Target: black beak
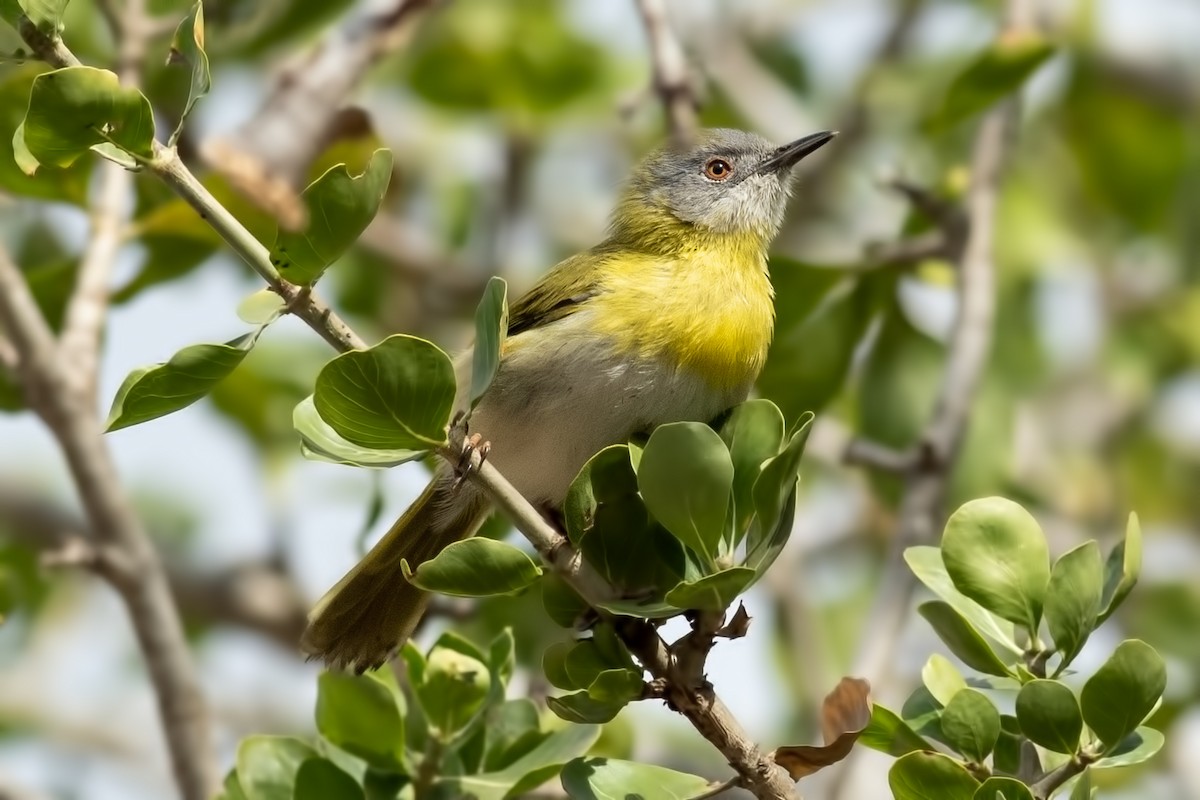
column 790, row 155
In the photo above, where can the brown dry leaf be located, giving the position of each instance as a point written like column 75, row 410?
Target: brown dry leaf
column 738, row 626
column 844, row 715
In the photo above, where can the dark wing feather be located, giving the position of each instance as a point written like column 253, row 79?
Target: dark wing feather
column 559, row 293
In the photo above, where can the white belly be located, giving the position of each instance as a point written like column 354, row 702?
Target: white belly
column 562, row 394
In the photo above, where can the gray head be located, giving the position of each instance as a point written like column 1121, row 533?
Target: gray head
column 727, row 181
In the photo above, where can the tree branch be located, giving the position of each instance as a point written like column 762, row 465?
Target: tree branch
column 306, row 305
column 929, row 471
column 670, row 72
column 58, row 380
column 1045, row 787
column 125, row 557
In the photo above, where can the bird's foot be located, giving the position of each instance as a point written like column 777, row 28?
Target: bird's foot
column 466, row 462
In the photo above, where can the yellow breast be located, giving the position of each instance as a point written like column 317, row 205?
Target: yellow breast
column 708, row 307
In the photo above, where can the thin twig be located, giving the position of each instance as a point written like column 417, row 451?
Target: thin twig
column 672, row 83
column 720, row 788
column 308, row 306
column 758, row 772
column 928, row 474
column 970, row 343
column 1055, row 778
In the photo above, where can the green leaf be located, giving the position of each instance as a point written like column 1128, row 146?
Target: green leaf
column 358, row 713
column 1049, row 715
column 774, row 491
column 1123, row 691
column 475, row 568
column 999, row 71
column 261, row 307
column 942, row 679
column 887, row 733
column 1007, row 755
column 686, row 479
column 607, row 477
column 962, row 639
column 616, row 686
column 1003, row 789
column 1142, row 192
column 321, row 779
column 396, row 395
column 1083, row 787
column 712, row 592
column 155, row 391
column 585, row 661
column 46, row 15
column 1073, row 600
column 267, row 766
column 231, row 789
column 536, row 62
column 502, row 659
column 50, row 183
column 453, row 690
column 1141, row 745
column 340, row 206
column 187, row 48
column 971, row 724
column 554, row 665
column 810, row 358
column 562, row 603
column 996, row 554
column 753, row 433
column 529, row 771
column 611, row 779
column 508, row 726
column 930, row 776
column 923, row 713
column 320, row 442
column 581, row 708
column 1121, row 569
column 73, row 109
column 606, row 519
column 926, row 563
column 491, row 329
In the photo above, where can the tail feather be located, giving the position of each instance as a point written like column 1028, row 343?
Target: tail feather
column 371, row 612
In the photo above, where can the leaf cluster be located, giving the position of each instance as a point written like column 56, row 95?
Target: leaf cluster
column 1005, row 611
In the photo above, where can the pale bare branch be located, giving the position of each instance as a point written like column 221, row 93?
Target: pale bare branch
column 671, row 80
column 268, row 157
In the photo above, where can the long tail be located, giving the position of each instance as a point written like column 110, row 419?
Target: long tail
column 370, row 613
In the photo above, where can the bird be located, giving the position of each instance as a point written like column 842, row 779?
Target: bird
column 668, row 319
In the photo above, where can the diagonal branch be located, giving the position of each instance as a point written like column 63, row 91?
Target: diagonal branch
column 671, row 81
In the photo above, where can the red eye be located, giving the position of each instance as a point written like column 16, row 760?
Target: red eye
column 718, row 169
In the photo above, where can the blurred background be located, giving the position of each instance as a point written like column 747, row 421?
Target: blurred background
column 513, row 124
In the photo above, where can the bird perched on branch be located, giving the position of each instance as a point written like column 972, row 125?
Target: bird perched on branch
column 668, row 319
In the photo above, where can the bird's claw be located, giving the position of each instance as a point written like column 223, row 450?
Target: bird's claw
column 466, row 463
